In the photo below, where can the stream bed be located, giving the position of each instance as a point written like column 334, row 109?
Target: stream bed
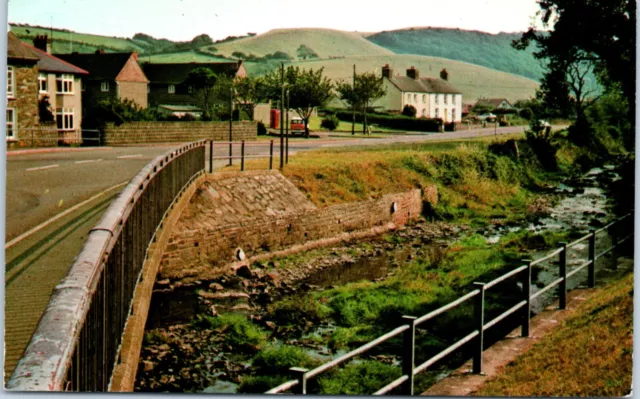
column 178, row 357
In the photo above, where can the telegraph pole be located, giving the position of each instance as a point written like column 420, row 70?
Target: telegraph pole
column 353, row 106
column 230, row 126
column 282, row 117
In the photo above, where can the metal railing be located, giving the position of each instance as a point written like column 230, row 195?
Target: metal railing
column 476, row 337
column 78, row 339
column 242, row 155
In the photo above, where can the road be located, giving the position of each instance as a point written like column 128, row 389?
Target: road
column 43, row 185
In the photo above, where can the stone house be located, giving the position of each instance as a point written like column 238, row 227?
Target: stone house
column 61, row 83
column 167, row 87
column 431, row 97
column 22, row 90
column 111, row 76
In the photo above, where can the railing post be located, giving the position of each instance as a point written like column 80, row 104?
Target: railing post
column 592, row 259
column 300, row 375
column 408, row 355
column 211, row 156
column 230, row 152
column 614, row 247
column 526, row 296
column 478, row 311
column 271, row 155
column 242, row 156
column 563, row 275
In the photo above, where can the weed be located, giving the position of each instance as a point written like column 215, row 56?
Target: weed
column 238, row 332
column 358, row 379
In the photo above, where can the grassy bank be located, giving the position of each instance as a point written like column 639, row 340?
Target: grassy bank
column 589, row 355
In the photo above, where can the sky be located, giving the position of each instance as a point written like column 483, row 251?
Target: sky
column 184, row 19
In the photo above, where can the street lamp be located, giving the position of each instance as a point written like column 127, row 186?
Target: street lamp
column 287, row 139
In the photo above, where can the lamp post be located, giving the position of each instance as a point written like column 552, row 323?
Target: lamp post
column 230, row 126
column 282, row 117
column 286, row 160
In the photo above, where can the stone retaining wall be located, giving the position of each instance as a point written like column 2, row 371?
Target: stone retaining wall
column 202, row 248
column 176, row 132
column 45, row 135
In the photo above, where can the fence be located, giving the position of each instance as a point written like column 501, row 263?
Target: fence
column 243, row 144
column 77, row 342
column 476, row 337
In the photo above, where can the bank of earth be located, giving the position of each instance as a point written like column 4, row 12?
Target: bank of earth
column 301, row 310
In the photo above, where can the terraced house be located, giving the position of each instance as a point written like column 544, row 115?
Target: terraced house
column 431, row 97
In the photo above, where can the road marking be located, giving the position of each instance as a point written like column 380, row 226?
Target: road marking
column 88, row 161
column 129, row 156
column 42, row 168
column 60, row 215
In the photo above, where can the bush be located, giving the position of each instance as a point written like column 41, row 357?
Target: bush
column 526, row 113
column 409, row 110
column 262, row 129
column 330, row 122
column 398, row 122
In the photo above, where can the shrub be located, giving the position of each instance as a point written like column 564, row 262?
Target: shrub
column 262, row 129
column 330, row 122
column 399, row 122
column 409, row 110
column 526, row 113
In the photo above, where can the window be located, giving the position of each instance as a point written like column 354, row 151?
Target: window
column 11, row 84
column 453, row 113
column 64, row 117
column 424, row 112
column 445, row 99
column 42, row 82
column 64, row 83
column 172, row 89
column 415, row 98
column 424, row 98
column 190, row 89
column 437, row 113
column 408, row 98
column 104, row 86
column 148, row 89
column 437, row 99
column 11, row 122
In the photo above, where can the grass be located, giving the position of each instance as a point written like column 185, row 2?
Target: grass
column 314, row 126
column 181, row 57
column 589, row 355
column 238, row 332
column 359, row 378
column 92, row 41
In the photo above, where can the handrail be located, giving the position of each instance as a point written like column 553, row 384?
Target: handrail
column 477, row 335
column 77, row 341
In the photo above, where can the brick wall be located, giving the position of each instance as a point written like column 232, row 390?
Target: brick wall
column 136, row 91
column 176, row 132
column 202, row 248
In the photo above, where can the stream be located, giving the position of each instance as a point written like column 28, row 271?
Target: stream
column 583, row 205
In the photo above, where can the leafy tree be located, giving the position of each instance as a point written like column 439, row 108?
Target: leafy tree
column 117, row 111
column 409, row 110
column 367, row 89
column 308, row 89
column 305, row 52
column 249, row 92
column 583, row 34
column 212, row 91
column 44, row 110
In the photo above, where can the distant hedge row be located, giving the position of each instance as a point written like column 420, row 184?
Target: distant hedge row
column 399, row 122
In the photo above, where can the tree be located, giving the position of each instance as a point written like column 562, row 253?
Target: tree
column 583, row 35
column 305, row 52
column 409, row 110
column 308, row 89
column 44, row 110
column 249, row 92
column 203, row 81
column 367, row 89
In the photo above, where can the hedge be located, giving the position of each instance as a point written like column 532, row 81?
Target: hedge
column 398, row 122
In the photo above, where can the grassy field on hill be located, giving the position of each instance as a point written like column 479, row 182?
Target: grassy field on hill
column 474, row 81
column 485, row 49
column 324, row 42
column 181, row 57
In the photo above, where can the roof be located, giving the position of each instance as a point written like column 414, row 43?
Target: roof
column 17, row 50
column 423, row 85
column 494, row 101
column 49, row 63
column 105, row 66
column 178, row 73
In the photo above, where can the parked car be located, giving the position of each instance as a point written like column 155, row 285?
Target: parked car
column 296, row 126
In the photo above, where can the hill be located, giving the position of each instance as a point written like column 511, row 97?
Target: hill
column 180, row 57
column 474, row 81
column 324, row 43
column 480, row 48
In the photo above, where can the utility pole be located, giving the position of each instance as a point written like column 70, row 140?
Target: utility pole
column 353, row 106
column 286, row 159
column 230, row 126
column 282, row 117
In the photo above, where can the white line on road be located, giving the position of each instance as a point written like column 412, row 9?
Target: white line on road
column 88, row 161
column 60, row 215
column 42, row 167
column 129, row 156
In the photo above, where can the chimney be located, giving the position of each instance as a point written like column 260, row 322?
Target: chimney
column 100, row 51
column 413, row 73
column 444, row 75
column 387, row 71
column 135, row 56
column 43, row 43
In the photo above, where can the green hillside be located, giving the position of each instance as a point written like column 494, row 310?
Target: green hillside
column 325, row 43
column 180, row 57
column 480, row 48
column 472, row 80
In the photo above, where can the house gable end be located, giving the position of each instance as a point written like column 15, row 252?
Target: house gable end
column 131, row 72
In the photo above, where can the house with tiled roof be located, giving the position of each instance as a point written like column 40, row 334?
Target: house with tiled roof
column 22, row 89
column 431, row 97
column 60, row 84
column 167, row 87
column 497, row 103
column 111, row 76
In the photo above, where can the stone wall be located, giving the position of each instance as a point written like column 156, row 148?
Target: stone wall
column 227, row 214
column 44, row 135
column 176, row 132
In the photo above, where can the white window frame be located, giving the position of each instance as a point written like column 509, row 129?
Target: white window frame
column 104, row 86
column 68, row 118
column 11, row 81
column 11, row 124
column 66, row 83
column 424, row 98
column 424, row 112
column 415, row 98
column 43, row 83
column 437, row 112
column 446, row 98
column 171, row 89
column 437, row 99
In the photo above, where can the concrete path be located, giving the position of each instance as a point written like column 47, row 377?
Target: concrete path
column 462, row 382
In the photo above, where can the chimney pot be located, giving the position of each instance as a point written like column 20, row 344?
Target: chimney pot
column 444, row 75
column 413, row 73
column 387, row 71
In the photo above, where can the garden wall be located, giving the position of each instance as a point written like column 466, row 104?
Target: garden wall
column 176, row 132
